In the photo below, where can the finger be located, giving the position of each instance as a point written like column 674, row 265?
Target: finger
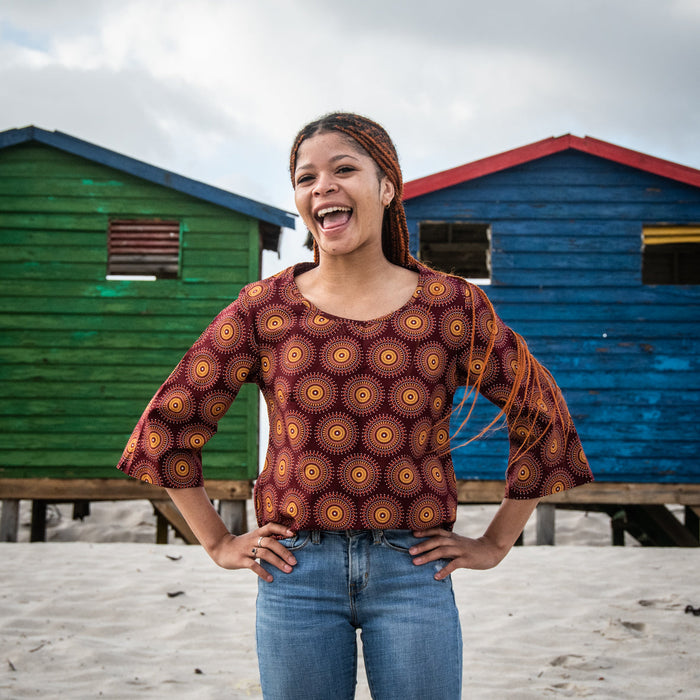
column 264, row 575
column 436, row 540
column 432, row 532
column 274, row 529
column 433, row 555
column 271, row 558
column 268, row 541
column 281, row 551
column 446, row 571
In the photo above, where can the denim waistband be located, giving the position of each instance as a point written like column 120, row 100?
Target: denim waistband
column 376, row 535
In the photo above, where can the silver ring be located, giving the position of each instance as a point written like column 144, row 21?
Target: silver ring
column 260, row 539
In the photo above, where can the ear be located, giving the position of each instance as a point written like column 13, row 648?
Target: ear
column 387, row 191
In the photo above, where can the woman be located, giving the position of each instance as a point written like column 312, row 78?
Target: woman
column 358, row 356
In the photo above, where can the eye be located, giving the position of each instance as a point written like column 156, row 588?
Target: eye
column 346, row 169
column 304, row 179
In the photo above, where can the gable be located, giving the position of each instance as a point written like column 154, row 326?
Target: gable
column 547, row 147
column 145, row 171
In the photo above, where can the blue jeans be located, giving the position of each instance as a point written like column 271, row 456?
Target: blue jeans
column 306, row 621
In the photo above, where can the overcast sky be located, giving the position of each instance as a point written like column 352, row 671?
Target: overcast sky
column 217, row 89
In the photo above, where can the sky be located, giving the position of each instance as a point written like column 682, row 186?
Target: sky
column 217, row 89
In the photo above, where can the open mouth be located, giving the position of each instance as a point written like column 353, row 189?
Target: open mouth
column 333, row 217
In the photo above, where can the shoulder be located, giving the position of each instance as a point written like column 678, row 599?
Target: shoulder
column 440, row 288
column 279, row 288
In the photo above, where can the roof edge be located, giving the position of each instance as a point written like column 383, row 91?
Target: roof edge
column 546, row 147
column 160, row 176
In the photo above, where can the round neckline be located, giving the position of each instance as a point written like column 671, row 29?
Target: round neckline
column 302, row 267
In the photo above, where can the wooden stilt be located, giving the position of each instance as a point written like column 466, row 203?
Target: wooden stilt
column 233, row 513
column 38, row 531
column 81, row 509
column 9, row 523
column 172, row 516
column 545, row 523
column 692, row 520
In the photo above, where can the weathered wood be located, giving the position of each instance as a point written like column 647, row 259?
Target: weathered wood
column 53, row 261
column 233, row 513
column 595, row 493
column 545, row 524
column 9, row 520
column 161, row 527
column 677, row 534
column 168, row 511
column 652, row 525
column 111, row 489
column 617, row 528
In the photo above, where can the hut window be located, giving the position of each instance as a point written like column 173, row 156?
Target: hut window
column 462, row 249
column 671, row 255
column 143, row 249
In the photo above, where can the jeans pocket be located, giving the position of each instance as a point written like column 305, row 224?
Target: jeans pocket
column 297, row 541
column 400, row 540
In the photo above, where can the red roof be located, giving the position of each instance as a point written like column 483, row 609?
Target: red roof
column 547, row 147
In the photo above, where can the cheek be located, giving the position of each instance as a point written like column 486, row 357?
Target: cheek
column 302, row 206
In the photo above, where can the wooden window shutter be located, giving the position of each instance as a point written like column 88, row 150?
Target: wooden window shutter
column 144, row 248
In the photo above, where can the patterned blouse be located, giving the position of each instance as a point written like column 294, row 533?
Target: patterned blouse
column 359, row 410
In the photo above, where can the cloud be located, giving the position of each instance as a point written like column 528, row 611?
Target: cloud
column 217, row 89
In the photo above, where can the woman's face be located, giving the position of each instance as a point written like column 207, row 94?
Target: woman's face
column 340, row 194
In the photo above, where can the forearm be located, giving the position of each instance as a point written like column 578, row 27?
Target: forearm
column 201, row 516
column 509, row 521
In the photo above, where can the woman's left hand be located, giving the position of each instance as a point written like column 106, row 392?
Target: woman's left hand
column 486, row 551
column 464, row 552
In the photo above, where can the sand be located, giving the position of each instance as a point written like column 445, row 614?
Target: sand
column 99, row 618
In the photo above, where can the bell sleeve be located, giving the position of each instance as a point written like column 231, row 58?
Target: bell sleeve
column 165, row 448
column 545, row 455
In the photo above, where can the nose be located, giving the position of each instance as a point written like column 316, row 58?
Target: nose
column 324, row 185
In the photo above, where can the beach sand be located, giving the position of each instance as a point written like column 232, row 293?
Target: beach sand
column 96, row 617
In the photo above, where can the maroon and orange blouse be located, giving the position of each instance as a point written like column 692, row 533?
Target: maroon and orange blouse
column 359, row 410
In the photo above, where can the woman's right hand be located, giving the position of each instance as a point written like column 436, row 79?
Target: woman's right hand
column 227, row 550
column 243, row 551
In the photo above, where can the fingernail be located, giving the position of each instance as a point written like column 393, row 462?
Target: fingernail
column 292, row 561
column 412, row 550
column 287, row 568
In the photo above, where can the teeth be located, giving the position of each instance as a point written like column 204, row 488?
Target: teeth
column 329, row 210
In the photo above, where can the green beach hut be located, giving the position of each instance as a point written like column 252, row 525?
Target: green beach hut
column 109, row 269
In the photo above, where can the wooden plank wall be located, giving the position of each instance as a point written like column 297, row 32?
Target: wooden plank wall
column 81, row 356
column 566, row 256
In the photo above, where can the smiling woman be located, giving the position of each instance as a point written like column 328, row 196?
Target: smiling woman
column 358, row 356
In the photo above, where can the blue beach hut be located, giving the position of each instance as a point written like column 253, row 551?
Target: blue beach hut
column 592, row 252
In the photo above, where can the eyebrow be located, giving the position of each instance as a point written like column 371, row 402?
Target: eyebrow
column 309, row 166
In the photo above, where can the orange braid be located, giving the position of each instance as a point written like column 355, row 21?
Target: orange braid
column 375, row 141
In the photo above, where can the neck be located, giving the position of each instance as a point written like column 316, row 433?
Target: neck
column 352, row 271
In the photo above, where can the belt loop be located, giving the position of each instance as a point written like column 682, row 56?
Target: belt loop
column 315, row 537
column 377, row 536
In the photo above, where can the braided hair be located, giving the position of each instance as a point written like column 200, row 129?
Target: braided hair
column 376, row 143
